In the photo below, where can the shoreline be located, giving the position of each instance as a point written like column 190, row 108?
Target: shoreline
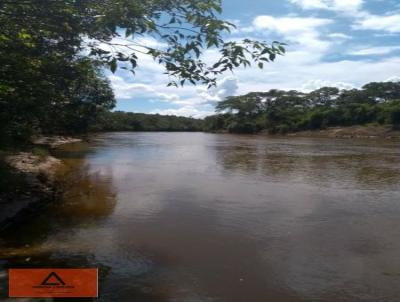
column 37, row 180
column 54, row 141
column 351, row 132
column 32, row 180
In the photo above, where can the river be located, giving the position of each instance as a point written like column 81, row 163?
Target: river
column 214, row 217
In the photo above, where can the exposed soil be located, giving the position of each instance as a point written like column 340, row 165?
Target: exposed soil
column 55, row 141
column 43, row 168
column 29, row 181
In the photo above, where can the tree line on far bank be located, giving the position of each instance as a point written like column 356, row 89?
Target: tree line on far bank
column 278, row 111
column 129, row 121
column 53, row 55
column 275, row 111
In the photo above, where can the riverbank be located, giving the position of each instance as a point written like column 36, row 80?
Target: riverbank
column 55, row 141
column 362, row 132
column 351, row 132
column 29, row 178
column 151, row 209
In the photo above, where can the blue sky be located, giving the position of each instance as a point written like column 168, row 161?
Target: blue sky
column 342, row 43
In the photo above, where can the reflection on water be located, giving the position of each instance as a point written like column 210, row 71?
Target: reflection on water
column 44, row 239
column 316, row 161
column 203, row 217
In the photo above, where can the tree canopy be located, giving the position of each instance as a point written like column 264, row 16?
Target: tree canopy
column 52, row 52
column 287, row 111
column 129, row 121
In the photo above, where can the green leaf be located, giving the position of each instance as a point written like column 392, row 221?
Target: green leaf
column 113, row 65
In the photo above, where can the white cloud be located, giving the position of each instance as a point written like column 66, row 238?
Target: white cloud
column 192, row 101
column 340, row 36
column 393, row 79
column 292, row 72
column 297, row 31
column 316, row 84
column 289, row 25
column 334, row 5
column 188, row 111
column 310, row 4
column 364, row 20
column 304, row 67
column 127, row 45
column 228, row 86
column 389, row 23
column 126, row 90
column 382, row 50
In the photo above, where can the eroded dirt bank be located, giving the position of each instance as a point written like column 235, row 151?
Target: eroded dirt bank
column 29, row 178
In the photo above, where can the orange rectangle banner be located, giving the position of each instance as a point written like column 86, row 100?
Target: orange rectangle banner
column 53, row 283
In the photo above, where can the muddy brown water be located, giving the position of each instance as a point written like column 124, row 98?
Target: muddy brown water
column 214, row 217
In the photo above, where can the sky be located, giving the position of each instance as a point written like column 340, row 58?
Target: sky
column 341, row 43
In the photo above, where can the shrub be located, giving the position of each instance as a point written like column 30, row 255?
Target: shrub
column 40, row 152
column 242, row 127
column 395, row 118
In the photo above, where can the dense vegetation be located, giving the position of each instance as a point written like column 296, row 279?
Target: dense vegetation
column 53, row 54
column 288, row 111
column 276, row 111
column 128, row 121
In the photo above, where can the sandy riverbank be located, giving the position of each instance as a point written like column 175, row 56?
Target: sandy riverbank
column 55, row 141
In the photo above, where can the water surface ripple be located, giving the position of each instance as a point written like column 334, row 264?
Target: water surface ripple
column 213, row 217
